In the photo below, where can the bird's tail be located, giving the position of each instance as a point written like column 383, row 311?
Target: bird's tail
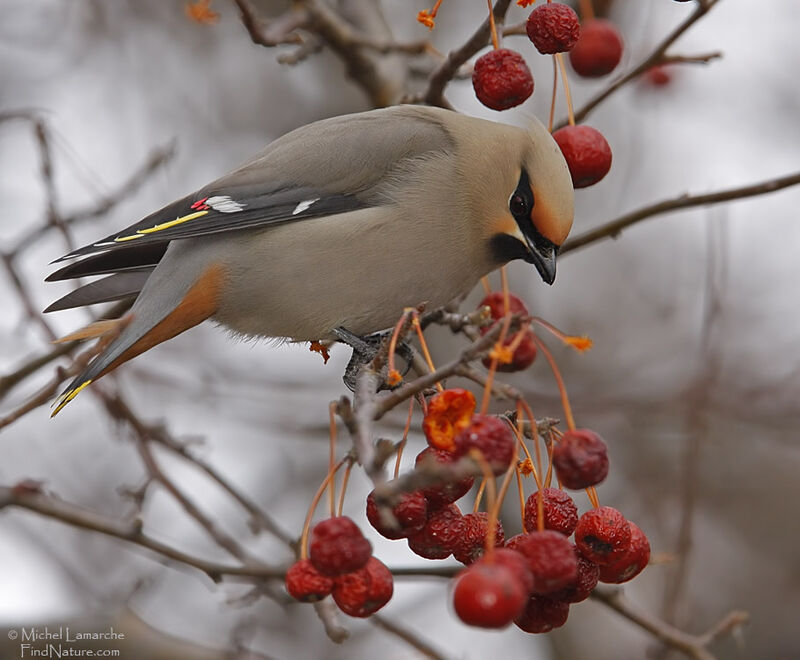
column 153, row 319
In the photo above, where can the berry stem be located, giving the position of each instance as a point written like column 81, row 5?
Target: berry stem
column 540, row 511
column 487, row 287
column 562, row 390
column 394, row 376
column 313, row 506
column 332, row 456
column 501, row 495
column 477, row 505
column 495, row 43
column 402, row 445
column 570, row 111
column 587, row 10
column 491, row 505
column 551, row 120
column 580, row 344
column 521, row 500
column 592, row 493
column 345, row 479
column 522, row 406
column 487, row 390
column 423, row 344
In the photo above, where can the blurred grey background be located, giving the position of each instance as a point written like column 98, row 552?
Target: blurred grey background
column 694, row 380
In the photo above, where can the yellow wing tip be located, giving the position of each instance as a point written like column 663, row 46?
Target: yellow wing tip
column 68, row 396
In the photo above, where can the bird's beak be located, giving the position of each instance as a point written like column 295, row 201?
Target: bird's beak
column 542, row 254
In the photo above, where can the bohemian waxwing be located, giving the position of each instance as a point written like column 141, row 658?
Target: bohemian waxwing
column 339, row 224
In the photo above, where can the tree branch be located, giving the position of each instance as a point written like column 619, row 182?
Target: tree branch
column 613, row 228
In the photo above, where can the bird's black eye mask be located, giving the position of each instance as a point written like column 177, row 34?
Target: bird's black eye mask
column 521, row 205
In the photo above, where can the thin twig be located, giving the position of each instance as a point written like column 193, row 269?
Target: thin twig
column 656, row 57
column 613, row 228
column 408, row 636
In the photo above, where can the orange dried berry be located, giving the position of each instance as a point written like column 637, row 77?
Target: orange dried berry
column 449, row 412
column 201, row 12
column 526, row 467
column 525, row 3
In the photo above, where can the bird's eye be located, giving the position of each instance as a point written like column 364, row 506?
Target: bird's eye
column 518, row 205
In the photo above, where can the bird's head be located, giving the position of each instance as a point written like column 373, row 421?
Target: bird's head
column 536, row 198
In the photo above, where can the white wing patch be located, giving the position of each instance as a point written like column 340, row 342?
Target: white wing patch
column 305, row 205
column 224, row 204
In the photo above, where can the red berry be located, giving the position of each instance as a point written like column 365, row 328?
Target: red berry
column 542, row 614
column 501, row 79
column 523, row 356
column 441, row 534
column 448, row 413
column 598, row 50
column 603, row 535
column 488, row 595
column 553, row 28
column 306, row 583
column 631, row 563
column 658, row 76
column 580, row 459
column 444, row 493
column 551, row 560
column 411, row 513
column 560, row 512
column 515, row 543
column 365, row 591
column 492, row 437
column 497, row 308
column 517, row 563
column 337, row 546
column 471, row 545
column 584, row 583
column 587, row 154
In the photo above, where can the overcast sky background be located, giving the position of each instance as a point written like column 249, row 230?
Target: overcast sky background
column 116, row 80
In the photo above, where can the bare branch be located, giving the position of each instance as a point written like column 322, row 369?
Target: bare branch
column 658, row 56
column 434, row 94
column 411, row 638
column 613, row 228
column 694, row 646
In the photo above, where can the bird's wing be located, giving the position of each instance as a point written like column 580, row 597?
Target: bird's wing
column 330, row 167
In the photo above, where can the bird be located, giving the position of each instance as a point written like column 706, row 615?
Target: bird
column 335, row 227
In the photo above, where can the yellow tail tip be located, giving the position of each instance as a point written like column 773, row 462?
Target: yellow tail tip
column 68, row 396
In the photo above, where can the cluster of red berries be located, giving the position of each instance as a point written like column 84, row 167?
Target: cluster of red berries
column 534, row 578
column 501, row 79
column 341, row 564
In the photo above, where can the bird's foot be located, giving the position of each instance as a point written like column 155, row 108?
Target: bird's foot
column 364, row 351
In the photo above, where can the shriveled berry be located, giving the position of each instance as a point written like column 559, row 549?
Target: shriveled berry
column 518, row 564
column 365, row 591
column 560, row 512
column 631, row 563
column 587, row 154
column 448, row 413
column 411, row 514
column 523, row 356
column 603, row 535
column 584, row 583
column 515, row 543
column 472, row 544
column 497, row 307
column 337, row 546
column 488, row 595
column 492, row 437
column 551, row 560
column 580, row 459
column 501, row 79
column 441, row 534
column 542, row 614
column 598, row 50
column 553, row 28
column 444, row 493
column 306, row 583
